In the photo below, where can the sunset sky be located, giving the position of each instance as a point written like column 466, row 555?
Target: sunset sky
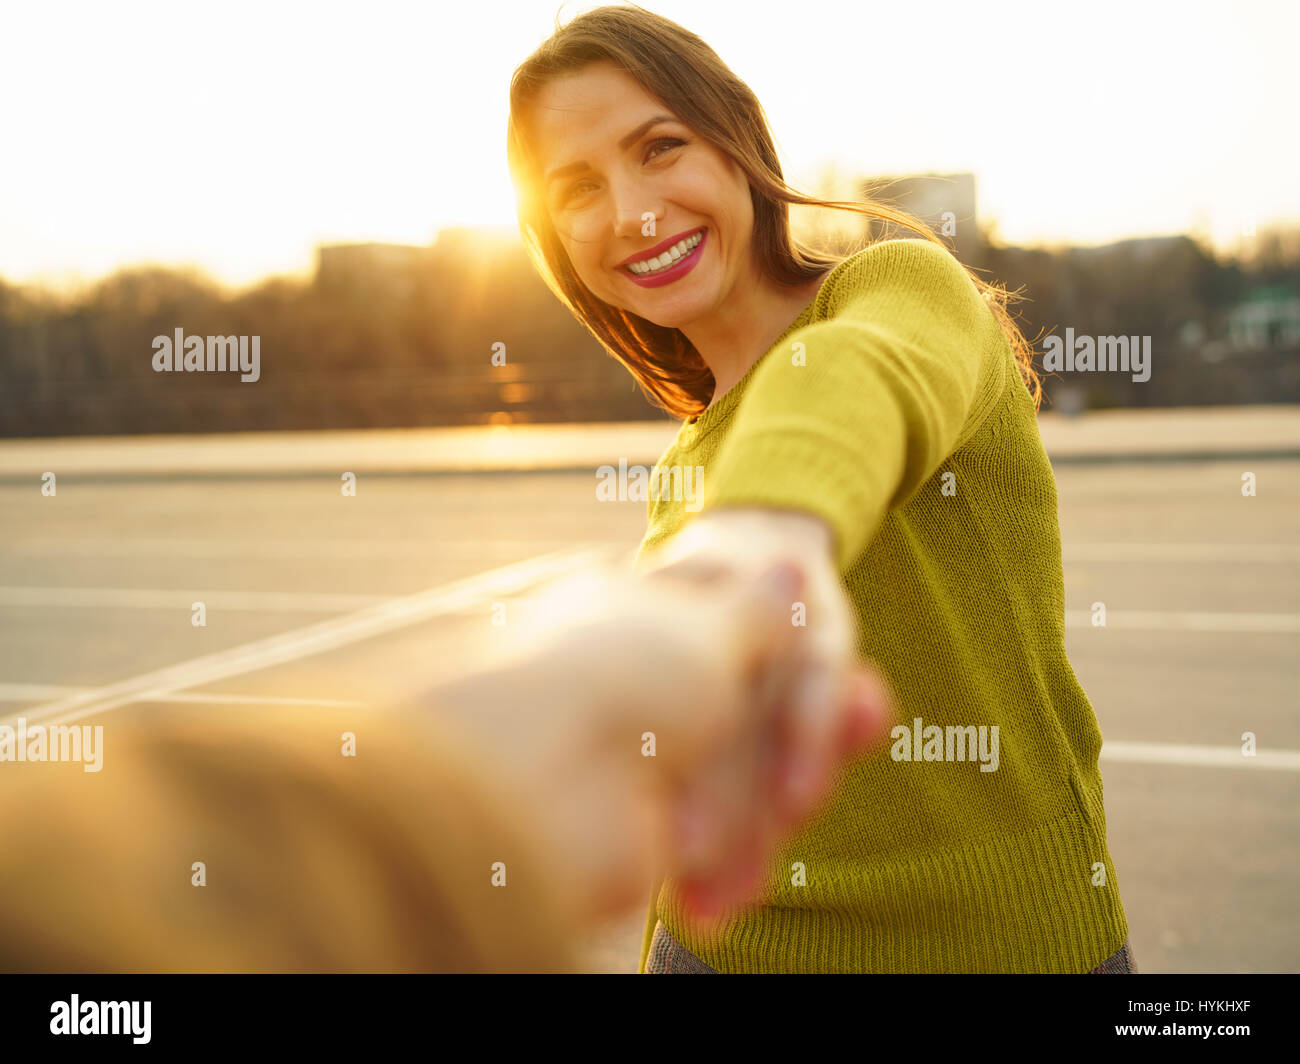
column 236, row 136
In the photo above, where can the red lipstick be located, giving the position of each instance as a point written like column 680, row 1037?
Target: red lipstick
column 672, row 273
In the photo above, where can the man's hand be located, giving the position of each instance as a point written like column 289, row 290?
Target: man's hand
column 816, row 726
column 648, row 732
column 728, row 547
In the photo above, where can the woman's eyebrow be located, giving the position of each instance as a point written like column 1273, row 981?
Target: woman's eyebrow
column 629, row 139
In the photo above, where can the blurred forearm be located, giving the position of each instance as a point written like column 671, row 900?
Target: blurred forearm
column 312, row 860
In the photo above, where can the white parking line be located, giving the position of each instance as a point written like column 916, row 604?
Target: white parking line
column 328, row 602
column 1199, row 756
column 127, row 598
column 1181, row 621
column 314, row 639
column 1081, row 550
column 1085, row 551
column 32, row 692
column 232, row 547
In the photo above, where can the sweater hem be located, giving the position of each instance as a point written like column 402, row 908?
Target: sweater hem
column 1046, row 900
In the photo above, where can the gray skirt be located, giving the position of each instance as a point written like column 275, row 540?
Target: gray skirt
column 670, row 957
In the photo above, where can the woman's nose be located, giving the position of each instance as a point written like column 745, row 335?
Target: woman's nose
column 636, row 215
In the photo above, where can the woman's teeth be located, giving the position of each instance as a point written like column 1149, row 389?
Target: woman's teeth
column 669, row 257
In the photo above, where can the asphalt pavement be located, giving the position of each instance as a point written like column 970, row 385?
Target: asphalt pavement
column 314, row 595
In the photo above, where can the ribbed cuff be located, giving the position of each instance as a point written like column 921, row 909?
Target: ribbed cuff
column 805, row 472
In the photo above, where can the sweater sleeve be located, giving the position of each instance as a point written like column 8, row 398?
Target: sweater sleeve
column 852, row 414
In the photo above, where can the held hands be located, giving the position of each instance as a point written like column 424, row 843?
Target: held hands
column 826, row 708
column 678, row 719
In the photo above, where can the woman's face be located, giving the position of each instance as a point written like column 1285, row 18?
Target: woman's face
column 623, row 178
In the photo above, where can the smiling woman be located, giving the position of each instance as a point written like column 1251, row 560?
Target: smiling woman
column 629, row 136
column 608, row 151
column 872, row 417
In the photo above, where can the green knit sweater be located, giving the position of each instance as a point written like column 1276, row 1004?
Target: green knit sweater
column 892, row 408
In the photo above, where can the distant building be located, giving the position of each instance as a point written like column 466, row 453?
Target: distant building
column 945, row 202
column 1140, row 248
column 368, row 269
column 1267, row 320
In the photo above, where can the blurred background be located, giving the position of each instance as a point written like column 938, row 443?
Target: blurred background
column 332, row 179
column 335, row 183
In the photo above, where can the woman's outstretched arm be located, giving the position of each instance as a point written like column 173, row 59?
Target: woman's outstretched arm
column 847, row 418
column 854, row 413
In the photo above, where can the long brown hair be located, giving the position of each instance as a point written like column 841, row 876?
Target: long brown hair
column 687, row 76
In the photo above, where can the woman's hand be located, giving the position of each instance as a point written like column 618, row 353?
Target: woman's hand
column 641, row 736
column 816, row 726
column 727, row 548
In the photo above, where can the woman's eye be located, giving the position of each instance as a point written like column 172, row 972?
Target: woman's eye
column 672, row 142
column 575, row 191
column 578, row 190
